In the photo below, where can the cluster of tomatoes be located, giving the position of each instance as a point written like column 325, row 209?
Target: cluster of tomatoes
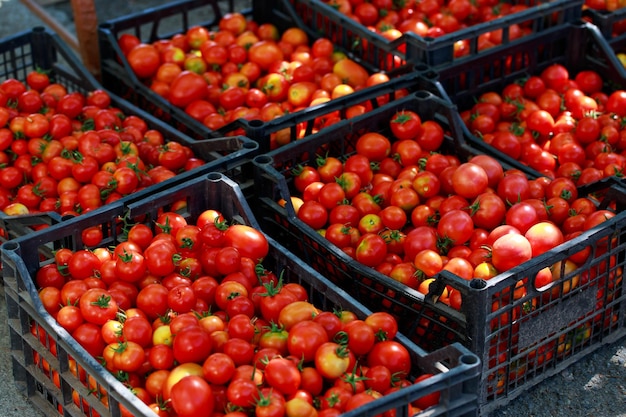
column 243, row 69
column 401, row 207
column 192, row 322
column 559, row 124
column 70, row 152
column 433, row 18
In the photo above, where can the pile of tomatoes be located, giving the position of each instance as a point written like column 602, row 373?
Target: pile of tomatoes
column 244, row 69
column 70, row 152
column 400, row 206
column 559, row 124
column 191, row 321
column 434, row 18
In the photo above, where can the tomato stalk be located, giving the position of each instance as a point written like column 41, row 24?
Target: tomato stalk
column 104, row 301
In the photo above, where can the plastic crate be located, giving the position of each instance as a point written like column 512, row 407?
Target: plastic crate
column 15, row 226
column 438, row 51
column 578, row 46
column 41, row 49
column 507, row 339
column 610, row 23
column 455, row 368
column 157, row 23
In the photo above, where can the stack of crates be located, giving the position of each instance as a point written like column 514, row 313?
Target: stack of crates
column 45, row 357
column 520, row 341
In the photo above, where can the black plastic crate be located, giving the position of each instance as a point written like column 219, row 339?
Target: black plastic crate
column 520, row 342
column 612, row 24
column 455, row 368
column 578, row 46
column 439, row 51
column 41, row 49
column 154, row 24
column 15, row 226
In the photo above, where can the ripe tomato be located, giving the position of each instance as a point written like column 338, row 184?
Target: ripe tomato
column 392, row 355
column 144, row 59
column 456, row 226
column 248, row 241
column 510, row 250
column 97, row 306
column 543, row 236
column 374, row 146
column 152, row 300
column 332, row 360
column 371, row 249
column 192, row 396
column 186, row 88
column 283, row 375
column 406, row 124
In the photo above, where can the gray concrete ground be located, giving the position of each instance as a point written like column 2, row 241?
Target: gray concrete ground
column 572, row 393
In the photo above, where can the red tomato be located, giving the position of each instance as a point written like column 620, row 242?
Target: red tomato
column 374, row 146
column 456, row 226
column 97, row 306
column 406, row 124
column 250, row 242
column 371, row 249
column 304, row 338
column 392, row 355
column 509, row 251
column 186, row 88
column 283, row 375
column 144, row 59
column 192, row 396
column 543, row 237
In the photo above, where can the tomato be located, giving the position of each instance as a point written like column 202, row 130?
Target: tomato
column 269, row 403
column 366, row 203
column 456, row 226
column 186, row 88
column 510, row 250
column 406, row 124
column 427, row 400
column 144, row 60
column 371, row 249
column 541, row 122
column 97, row 306
column 555, row 77
column 313, row 214
column 160, row 257
column 249, row 241
column 522, row 216
column 562, row 187
column 392, row 355
column 70, row 317
column 89, row 337
column 283, row 375
column 296, row 312
column 361, row 337
column 329, row 168
column 152, row 300
column 513, row 188
column 332, row 360
column 128, row 356
column 192, row 396
column 50, row 276
column 543, row 237
column 83, row 264
column 191, row 344
column 616, row 102
column 304, row 338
